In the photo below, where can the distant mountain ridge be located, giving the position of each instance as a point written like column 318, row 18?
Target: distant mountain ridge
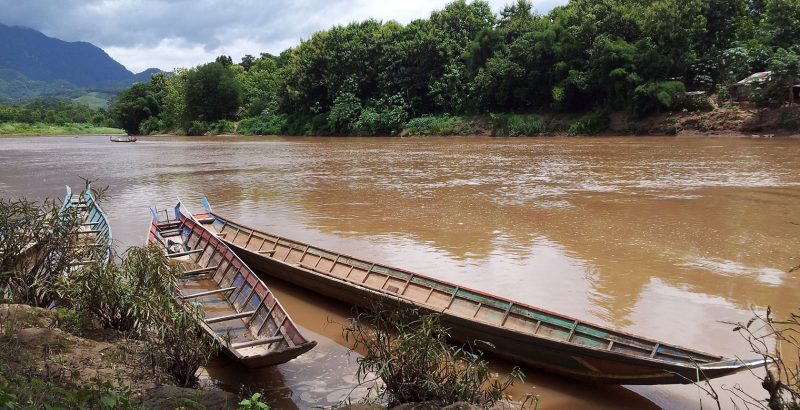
column 46, row 63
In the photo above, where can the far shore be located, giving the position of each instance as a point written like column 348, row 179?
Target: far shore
column 13, row 129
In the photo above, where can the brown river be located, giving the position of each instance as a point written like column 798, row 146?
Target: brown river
column 663, row 237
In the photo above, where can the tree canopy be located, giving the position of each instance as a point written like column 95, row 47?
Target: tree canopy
column 371, row 77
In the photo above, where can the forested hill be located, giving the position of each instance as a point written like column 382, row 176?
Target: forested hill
column 34, row 64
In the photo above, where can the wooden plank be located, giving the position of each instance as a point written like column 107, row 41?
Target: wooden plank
column 572, row 331
column 249, row 238
column 207, row 293
column 505, row 315
column 179, row 254
column 405, row 286
column 201, row 271
column 478, row 309
column 257, row 342
column 269, row 315
column 267, row 253
column 655, row 350
column 335, row 261
column 170, row 232
column 452, row 298
column 367, row 275
column 229, row 317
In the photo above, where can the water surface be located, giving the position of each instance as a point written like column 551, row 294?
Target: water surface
column 667, row 238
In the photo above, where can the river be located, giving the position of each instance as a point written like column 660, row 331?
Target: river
column 663, row 237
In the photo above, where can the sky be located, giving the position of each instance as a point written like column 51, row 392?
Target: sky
column 169, row 34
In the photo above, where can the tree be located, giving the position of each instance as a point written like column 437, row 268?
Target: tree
column 212, row 93
column 135, row 105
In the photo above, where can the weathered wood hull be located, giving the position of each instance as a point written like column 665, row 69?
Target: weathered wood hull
column 246, row 318
column 519, row 333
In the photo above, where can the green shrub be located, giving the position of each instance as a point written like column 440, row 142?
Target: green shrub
column 655, row 96
column 439, row 125
column 264, row 124
column 516, row 125
column 221, row 127
column 411, row 354
column 198, row 128
column 385, row 116
column 692, row 102
column 150, row 126
column 592, row 123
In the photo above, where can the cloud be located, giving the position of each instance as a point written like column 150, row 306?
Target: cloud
column 183, row 33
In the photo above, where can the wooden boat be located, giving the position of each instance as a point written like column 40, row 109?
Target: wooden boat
column 93, row 231
column 122, row 138
column 518, row 332
column 240, row 311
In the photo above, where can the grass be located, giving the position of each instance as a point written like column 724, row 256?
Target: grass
column 17, row 128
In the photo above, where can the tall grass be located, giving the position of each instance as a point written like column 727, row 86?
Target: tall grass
column 517, row 125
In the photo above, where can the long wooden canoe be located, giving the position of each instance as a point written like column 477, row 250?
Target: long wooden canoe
column 240, row 311
column 93, row 230
column 520, row 333
column 122, row 138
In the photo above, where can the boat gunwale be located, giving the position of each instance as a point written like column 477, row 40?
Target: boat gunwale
column 687, row 363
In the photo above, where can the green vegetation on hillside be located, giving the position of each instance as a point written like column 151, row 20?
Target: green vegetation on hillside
column 54, row 117
column 588, row 57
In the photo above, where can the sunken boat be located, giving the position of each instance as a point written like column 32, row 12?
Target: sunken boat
column 241, row 312
column 515, row 331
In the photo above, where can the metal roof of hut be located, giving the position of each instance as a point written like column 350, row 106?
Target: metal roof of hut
column 756, row 77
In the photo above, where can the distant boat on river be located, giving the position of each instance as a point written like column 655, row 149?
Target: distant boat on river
column 519, row 333
column 122, row 138
column 242, row 314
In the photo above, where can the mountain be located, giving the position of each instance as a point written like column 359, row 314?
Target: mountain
column 33, row 64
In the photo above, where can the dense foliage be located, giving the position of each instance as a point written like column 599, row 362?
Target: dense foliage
column 375, row 77
column 54, row 112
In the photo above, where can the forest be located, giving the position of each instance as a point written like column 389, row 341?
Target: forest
column 589, row 57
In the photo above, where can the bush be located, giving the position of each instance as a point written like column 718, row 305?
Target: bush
column 385, row 116
column 655, row 96
column 264, row 124
column 516, row 125
column 692, row 102
column 150, row 126
column 416, row 363
column 198, row 128
column 221, row 127
column 590, row 124
column 439, row 125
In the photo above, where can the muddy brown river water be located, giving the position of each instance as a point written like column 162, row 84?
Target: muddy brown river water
column 663, row 237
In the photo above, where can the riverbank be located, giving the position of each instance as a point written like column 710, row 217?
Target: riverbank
column 731, row 120
column 44, row 359
column 24, row 129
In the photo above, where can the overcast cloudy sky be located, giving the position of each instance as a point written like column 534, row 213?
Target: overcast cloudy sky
column 183, row 33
